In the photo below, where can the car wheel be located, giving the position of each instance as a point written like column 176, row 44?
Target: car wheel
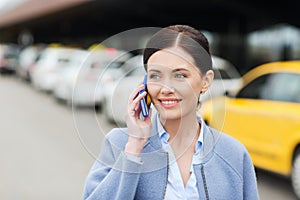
column 98, row 107
column 296, row 174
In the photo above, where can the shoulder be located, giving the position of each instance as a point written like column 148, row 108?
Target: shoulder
column 230, row 149
column 222, row 142
column 229, row 143
column 232, row 153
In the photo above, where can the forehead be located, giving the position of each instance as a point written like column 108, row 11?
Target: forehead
column 171, row 58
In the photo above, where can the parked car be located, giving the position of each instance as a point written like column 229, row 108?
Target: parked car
column 27, row 58
column 9, row 55
column 265, row 116
column 117, row 92
column 227, row 79
column 47, row 68
column 100, row 67
column 66, row 78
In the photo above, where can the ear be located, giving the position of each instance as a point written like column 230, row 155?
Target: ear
column 207, row 80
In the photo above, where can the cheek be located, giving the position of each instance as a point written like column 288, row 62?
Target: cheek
column 189, row 88
column 196, row 88
column 153, row 89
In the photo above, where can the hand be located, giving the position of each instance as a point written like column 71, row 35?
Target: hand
column 138, row 127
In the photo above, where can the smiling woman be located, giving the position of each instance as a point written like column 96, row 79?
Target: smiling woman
column 172, row 154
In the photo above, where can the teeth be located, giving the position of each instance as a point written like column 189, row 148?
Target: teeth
column 169, row 102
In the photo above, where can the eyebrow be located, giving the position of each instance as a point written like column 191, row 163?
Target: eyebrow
column 174, row 70
column 180, row 69
column 154, row 70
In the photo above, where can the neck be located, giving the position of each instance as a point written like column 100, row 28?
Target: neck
column 182, row 130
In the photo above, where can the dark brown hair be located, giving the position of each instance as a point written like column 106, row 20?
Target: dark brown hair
column 186, row 37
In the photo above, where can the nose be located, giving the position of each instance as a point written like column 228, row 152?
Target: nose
column 167, row 88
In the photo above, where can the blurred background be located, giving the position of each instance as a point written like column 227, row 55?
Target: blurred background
column 68, row 66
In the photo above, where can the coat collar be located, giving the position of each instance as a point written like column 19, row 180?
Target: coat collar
column 211, row 137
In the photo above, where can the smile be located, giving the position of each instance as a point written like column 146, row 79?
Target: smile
column 168, row 103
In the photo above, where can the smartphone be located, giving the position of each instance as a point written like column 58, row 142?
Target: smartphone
column 146, row 101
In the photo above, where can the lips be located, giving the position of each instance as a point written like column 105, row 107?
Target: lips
column 168, row 103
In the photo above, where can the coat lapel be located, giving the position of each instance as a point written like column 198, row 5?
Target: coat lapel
column 154, row 174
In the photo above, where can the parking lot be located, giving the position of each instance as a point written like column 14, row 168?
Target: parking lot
column 47, row 149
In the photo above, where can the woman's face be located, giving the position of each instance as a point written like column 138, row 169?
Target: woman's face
column 174, row 83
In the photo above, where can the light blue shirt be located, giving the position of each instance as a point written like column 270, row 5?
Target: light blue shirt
column 175, row 188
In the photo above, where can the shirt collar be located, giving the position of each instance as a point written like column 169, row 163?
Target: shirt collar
column 164, row 136
column 160, row 128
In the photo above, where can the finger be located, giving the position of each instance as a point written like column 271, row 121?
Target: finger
column 148, row 119
column 136, row 92
column 135, row 105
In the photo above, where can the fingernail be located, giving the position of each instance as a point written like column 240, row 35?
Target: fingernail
column 142, row 92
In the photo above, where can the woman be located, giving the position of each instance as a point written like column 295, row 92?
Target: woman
column 172, row 154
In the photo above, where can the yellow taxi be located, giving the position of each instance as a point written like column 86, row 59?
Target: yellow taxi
column 265, row 116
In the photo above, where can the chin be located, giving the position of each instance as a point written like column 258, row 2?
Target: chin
column 170, row 115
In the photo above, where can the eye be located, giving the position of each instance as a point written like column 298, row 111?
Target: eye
column 154, row 76
column 180, row 75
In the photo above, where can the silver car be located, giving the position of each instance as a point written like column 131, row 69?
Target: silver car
column 47, row 68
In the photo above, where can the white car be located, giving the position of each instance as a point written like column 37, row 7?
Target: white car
column 27, row 59
column 47, row 68
column 226, row 79
column 100, row 67
column 63, row 87
column 117, row 92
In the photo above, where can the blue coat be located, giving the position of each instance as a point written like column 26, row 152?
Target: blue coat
column 225, row 172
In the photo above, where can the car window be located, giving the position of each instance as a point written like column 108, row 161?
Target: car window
column 134, row 66
column 137, row 71
column 273, row 87
column 254, row 88
column 113, row 64
column 282, row 87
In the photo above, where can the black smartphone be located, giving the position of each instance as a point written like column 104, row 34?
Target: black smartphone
column 146, row 101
